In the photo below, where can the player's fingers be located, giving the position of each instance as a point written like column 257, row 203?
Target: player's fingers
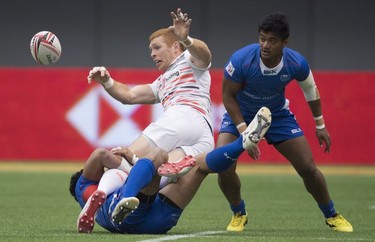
column 328, row 146
column 103, row 71
column 174, row 16
column 89, row 77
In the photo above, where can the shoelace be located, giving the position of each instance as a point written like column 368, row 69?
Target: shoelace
column 237, row 219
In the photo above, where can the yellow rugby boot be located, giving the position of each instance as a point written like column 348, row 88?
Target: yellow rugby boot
column 238, row 222
column 339, row 223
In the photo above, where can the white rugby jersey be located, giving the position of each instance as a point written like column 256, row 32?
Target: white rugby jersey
column 184, row 84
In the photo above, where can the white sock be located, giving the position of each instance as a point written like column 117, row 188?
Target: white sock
column 125, row 166
column 112, row 180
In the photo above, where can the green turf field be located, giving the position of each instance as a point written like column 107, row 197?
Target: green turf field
column 35, row 205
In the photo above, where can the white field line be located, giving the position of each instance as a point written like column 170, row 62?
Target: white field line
column 207, row 233
column 176, row 237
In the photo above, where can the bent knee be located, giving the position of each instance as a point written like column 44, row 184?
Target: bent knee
column 101, row 153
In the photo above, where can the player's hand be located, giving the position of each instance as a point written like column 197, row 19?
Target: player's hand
column 254, row 152
column 181, row 24
column 98, row 74
column 324, row 138
column 124, row 152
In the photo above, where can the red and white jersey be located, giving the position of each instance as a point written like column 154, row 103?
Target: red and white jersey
column 184, row 84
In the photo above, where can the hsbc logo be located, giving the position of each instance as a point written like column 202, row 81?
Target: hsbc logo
column 104, row 122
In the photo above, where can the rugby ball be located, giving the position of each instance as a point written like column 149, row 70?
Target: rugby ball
column 45, row 48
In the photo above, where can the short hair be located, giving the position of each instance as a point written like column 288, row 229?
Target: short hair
column 73, row 182
column 276, row 23
column 168, row 35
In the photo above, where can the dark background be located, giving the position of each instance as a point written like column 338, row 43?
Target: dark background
column 331, row 34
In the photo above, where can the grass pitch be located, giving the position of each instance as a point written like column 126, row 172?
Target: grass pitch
column 35, row 205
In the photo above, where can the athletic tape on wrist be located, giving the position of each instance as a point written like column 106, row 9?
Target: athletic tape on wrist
column 187, row 45
column 240, row 125
column 318, row 118
column 108, row 83
column 322, row 126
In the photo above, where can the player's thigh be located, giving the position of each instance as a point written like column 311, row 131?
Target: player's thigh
column 297, row 151
column 142, row 146
column 184, row 190
column 176, row 154
column 204, row 145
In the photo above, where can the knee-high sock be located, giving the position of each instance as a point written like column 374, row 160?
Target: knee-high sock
column 223, row 157
column 112, row 180
column 139, row 177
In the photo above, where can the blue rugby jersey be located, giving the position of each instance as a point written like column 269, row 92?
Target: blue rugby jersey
column 264, row 86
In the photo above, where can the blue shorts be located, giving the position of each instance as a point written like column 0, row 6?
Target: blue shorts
column 157, row 217
column 81, row 186
column 283, row 126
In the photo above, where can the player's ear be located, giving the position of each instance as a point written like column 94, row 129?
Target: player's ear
column 285, row 42
column 177, row 46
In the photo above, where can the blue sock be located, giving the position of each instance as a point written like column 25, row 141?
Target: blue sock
column 328, row 210
column 139, row 177
column 223, row 157
column 239, row 208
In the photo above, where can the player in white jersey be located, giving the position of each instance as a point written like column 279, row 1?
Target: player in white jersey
column 257, row 75
column 185, row 127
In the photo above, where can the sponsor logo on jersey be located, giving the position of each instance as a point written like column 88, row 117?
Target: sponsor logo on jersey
column 270, row 72
column 172, row 75
column 230, row 69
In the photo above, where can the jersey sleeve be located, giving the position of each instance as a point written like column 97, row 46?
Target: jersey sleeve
column 155, row 90
column 303, row 71
column 232, row 69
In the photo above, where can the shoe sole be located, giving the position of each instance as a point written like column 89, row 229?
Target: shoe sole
column 177, row 169
column 125, row 207
column 257, row 128
column 86, row 218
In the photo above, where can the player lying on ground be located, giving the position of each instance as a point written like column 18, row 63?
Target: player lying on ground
column 139, row 206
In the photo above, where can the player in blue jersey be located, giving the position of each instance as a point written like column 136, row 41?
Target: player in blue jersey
column 255, row 76
column 138, row 206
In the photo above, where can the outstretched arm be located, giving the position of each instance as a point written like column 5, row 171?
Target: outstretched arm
column 200, row 53
column 140, row 94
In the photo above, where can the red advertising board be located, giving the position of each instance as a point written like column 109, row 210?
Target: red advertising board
column 54, row 114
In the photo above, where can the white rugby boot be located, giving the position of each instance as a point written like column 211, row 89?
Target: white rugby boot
column 125, row 207
column 257, row 128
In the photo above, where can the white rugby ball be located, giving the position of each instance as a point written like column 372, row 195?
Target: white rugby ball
column 45, row 47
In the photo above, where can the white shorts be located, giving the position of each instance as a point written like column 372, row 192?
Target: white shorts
column 181, row 127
